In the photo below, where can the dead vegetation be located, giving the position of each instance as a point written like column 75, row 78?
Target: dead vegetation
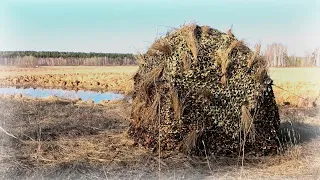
column 177, row 104
column 190, row 33
column 118, row 82
column 247, row 125
column 224, row 59
column 62, row 139
column 161, row 46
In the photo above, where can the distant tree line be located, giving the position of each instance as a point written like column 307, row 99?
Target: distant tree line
column 55, row 58
column 277, row 56
column 57, row 54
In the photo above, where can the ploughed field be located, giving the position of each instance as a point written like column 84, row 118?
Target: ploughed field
column 53, row 138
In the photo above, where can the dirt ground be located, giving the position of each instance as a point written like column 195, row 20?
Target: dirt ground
column 61, row 139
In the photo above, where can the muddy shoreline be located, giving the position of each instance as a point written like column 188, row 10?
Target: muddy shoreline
column 103, row 82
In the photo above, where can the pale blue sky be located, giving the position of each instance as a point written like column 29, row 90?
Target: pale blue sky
column 131, row 26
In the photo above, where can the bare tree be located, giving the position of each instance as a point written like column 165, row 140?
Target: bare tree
column 276, row 54
column 309, row 59
column 317, row 57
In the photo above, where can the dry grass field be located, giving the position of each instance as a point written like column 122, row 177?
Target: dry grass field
column 116, row 78
column 62, row 139
column 18, row 71
column 297, row 86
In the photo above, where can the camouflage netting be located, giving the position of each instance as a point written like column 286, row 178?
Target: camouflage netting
column 200, row 89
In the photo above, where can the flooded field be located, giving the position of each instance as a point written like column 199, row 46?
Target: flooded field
column 65, row 94
column 296, row 86
column 105, row 79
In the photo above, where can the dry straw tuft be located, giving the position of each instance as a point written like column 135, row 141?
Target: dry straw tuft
column 144, row 95
column 141, row 60
column 153, row 75
column 137, row 107
column 186, row 63
column 190, row 32
column 229, row 33
column 254, row 58
column 190, row 141
column 207, row 30
column 161, row 46
column 247, row 125
column 262, row 70
column 225, row 61
column 149, row 79
column 261, row 74
column 177, row 104
column 150, row 113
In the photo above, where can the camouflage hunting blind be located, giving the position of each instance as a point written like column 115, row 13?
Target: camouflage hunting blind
column 200, row 89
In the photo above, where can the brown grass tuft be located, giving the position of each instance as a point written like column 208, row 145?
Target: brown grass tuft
column 261, row 74
column 150, row 113
column 229, row 33
column 140, row 59
column 154, row 74
column 162, row 46
column 247, row 125
column 224, row 59
column 190, row 141
column 186, row 64
column 253, row 58
column 137, row 107
column 262, row 70
column 190, row 32
column 144, row 96
column 207, row 30
column 149, row 79
column 177, row 104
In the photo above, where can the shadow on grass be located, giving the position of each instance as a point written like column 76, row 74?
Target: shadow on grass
column 292, row 133
column 297, row 127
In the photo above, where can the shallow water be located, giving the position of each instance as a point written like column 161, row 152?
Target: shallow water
column 66, row 94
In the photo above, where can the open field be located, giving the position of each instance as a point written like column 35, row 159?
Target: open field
column 82, row 77
column 298, row 86
column 302, row 85
column 18, row 71
column 61, row 139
